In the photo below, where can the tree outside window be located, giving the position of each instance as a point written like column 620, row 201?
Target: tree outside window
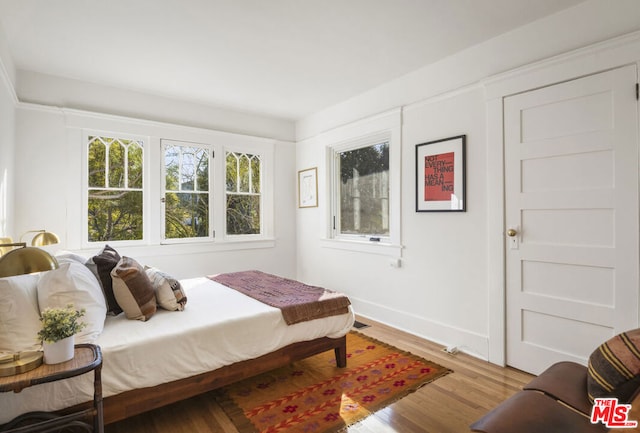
column 364, row 190
column 115, row 185
column 186, row 196
column 243, row 187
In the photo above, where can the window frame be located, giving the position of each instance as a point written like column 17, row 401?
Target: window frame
column 162, row 186
column 85, row 186
column 336, row 222
column 382, row 127
column 152, row 135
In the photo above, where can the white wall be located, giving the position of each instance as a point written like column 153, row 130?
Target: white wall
column 55, row 91
column 7, row 146
column 448, row 287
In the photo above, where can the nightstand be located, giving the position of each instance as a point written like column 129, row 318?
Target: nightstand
column 88, row 357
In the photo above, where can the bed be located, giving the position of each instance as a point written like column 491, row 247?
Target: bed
column 221, row 336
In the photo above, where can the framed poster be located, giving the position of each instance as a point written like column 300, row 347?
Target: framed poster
column 440, row 175
column 308, row 187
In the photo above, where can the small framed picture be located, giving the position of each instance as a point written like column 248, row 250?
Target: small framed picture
column 308, row 187
column 440, row 175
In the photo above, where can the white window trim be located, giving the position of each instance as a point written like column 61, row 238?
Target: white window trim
column 82, row 124
column 86, row 133
column 383, row 127
column 162, row 186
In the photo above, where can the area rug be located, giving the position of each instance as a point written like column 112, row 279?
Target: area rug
column 314, row 395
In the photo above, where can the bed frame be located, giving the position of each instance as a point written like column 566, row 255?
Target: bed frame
column 137, row 401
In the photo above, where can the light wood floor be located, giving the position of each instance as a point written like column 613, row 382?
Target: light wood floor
column 447, row 405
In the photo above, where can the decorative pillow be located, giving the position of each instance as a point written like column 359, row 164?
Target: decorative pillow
column 133, row 290
column 614, row 368
column 73, row 283
column 168, row 290
column 19, row 314
column 105, row 262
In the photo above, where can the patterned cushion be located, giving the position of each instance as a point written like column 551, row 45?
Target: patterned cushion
column 614, row 368
column 133, row 290
column 168, row 290
column 105, row 261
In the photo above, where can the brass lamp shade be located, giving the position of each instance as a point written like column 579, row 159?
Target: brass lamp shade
column 44, row 238
column 26, row 261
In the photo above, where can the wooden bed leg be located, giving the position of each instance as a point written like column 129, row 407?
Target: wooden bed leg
column 341, row 353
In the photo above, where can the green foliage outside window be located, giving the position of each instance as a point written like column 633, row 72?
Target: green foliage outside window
column 115, row 178
column 243, row 173
column 186, row 192
column 364, row 190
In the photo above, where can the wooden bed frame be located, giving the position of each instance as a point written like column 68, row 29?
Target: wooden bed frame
column 134, row 402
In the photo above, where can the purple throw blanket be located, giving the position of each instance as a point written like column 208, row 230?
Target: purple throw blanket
column 298, row 302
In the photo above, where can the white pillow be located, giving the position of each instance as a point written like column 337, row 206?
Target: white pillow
column 73, row 283
column 19, row 314
column 69, row 257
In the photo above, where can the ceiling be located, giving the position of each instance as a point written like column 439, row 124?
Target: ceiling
column 282, row 58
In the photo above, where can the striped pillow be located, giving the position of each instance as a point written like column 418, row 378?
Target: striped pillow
column 614, row 368
column 133, row 290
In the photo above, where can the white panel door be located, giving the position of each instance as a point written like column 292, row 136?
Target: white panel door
column 571, row 185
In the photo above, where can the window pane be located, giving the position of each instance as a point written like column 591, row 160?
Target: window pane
column 135, row 165
column 114, row 215
column 97, row 154
column 202, row 170
column 255, row 174
column 232, row 172
column 186, row 215
column 116, row 165
column 364, row 190
column 245, row 173
column 243, row 214
column 187, row 173
column 172, row 168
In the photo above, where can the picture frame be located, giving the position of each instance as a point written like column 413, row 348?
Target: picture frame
column 308, row 188
column 441, row 175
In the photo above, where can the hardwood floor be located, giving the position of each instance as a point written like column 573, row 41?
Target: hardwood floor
column 447, row 405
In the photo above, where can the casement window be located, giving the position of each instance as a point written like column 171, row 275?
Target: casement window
column 115, row 185
column 186, row 195
column 220, row 191
column 207, row 197
column 361, row 190
column 364, row 164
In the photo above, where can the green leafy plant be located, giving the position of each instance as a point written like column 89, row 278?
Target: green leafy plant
column 60, row 323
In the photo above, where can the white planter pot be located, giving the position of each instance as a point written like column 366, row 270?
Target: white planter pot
column 59, row 351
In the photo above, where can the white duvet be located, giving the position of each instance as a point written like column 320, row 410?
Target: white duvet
column 218, row 327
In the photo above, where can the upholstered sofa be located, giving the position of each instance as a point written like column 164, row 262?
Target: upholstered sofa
column 561, row 398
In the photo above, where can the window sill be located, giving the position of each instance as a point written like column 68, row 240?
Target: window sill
column 176, row 248
column 367, row 247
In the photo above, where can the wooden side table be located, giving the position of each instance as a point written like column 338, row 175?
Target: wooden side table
column 88, row 357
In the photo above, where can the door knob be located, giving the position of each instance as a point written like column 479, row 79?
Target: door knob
column 511, row 232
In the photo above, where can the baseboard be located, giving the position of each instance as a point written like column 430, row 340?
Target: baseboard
column 468, row 342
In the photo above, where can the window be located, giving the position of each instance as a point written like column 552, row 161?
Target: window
column 186, row 190
column 362, row 180
column 364, row 167
column 243, row 187
column 115, row 173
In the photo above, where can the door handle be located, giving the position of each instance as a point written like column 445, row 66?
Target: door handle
column 512, row 232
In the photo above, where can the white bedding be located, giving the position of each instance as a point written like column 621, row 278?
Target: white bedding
column 218, row 327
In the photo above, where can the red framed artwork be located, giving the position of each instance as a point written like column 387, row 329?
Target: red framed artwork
column 440, row 175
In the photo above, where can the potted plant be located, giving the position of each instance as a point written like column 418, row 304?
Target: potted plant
column 59, row 326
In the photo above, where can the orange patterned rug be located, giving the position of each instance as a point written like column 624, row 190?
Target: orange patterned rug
column 314, row 395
